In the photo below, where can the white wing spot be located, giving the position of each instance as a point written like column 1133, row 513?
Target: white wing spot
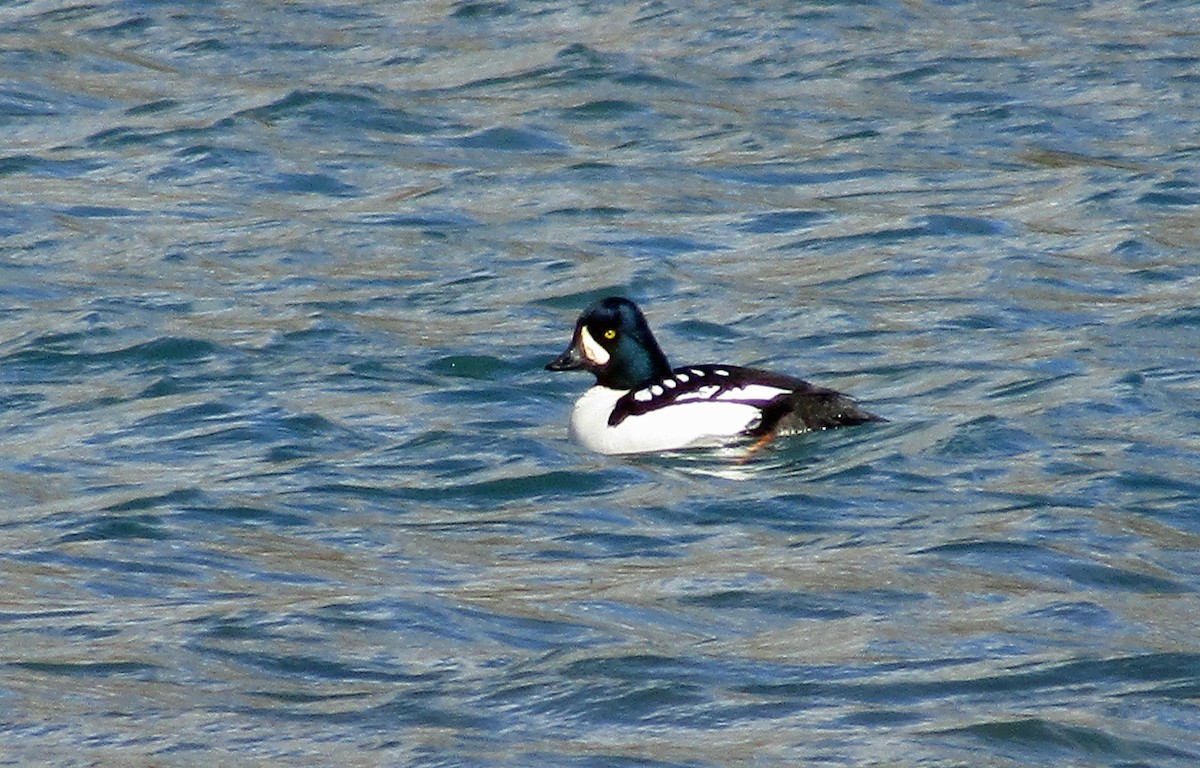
column 696, row 372
column 669, row 383
column 682, row 377
column 657, row 390
column 721, row 372
column 759, row 392
column 642, row 395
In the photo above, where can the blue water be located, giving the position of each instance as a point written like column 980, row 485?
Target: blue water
column 284, row 483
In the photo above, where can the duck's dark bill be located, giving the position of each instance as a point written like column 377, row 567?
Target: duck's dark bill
column 571, row 360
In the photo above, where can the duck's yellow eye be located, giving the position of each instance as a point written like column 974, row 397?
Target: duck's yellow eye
column 610, row 334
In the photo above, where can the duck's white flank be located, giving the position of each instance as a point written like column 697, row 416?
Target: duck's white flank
column 682, row 424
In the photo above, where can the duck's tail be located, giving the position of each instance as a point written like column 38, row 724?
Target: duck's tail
column 812, row 408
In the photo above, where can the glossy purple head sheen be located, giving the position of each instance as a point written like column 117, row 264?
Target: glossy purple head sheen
column 614, row 342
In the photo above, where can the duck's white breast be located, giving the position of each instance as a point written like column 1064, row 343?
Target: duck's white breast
column 678, row 425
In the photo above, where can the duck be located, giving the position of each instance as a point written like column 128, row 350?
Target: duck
column 640, row 404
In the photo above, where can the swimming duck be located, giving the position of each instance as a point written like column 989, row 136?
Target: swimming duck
column 640, row 404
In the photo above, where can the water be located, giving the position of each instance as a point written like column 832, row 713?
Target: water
column 285, row 483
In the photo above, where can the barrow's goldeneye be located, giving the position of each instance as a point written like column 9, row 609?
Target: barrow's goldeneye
column 640, row 404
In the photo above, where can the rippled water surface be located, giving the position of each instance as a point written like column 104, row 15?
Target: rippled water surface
column 284, row 483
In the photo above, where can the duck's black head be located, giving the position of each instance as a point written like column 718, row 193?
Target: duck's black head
column 613, row 341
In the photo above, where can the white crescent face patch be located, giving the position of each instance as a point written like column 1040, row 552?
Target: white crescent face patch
column 592, row 349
